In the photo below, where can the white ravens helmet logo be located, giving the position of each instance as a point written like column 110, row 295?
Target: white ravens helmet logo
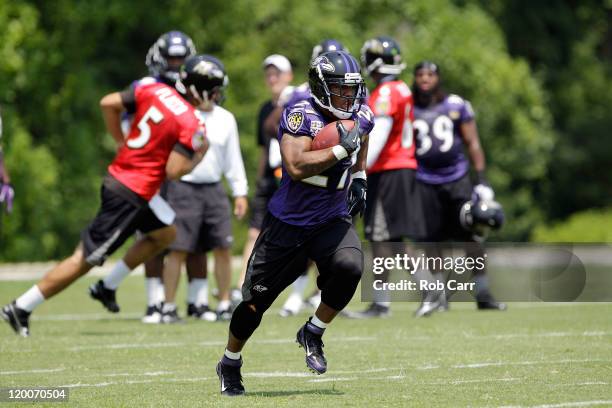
column 324, row 63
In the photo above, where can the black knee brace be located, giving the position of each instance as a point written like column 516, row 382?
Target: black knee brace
column 345, row 269
column 245, row 320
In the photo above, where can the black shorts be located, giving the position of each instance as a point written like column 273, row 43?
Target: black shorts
column 122, row 212
column 266, row 188
column 393, row 208
column 203, row 216
column 442, row 204
column 282, row 252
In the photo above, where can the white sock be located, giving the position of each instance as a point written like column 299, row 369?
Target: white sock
column 152, row 288
column 30, row 299
column 231, row 355
column 197, row 292
column 223, row 305
column 384, row 304
column 114, row 278
column 317, row 322
column 161, row 293
column 299, row 286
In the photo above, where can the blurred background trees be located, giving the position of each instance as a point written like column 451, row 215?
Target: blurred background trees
column 538, row 75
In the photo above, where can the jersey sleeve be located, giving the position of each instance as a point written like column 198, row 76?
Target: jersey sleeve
column 192, row 134
column 128, row 98
column 466, row 112
column 384, row 101
column 295, row 121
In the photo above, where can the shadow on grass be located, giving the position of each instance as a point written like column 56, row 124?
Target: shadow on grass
column 287, row 393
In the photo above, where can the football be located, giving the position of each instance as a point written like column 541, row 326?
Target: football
column 328, row 136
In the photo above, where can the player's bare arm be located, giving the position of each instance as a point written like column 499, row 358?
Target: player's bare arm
column 301, row 162
column 469, row 133
column 112, row 107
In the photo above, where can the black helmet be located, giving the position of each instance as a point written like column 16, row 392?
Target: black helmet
column 173, row 44
column 203, row 77
column 382, row 55
column 327, row 45
column 337, row 68
column 479, row 217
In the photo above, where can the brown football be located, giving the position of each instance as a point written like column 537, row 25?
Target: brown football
column 328, row 136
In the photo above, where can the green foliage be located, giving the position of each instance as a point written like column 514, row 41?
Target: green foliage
column 585, row 226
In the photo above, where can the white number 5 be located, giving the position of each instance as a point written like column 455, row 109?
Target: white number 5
column 145, row 130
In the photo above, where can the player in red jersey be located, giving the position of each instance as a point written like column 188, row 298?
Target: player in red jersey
column 390, row 214
column 166, row 140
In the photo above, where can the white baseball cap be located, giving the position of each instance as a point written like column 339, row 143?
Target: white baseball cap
column 279, row 61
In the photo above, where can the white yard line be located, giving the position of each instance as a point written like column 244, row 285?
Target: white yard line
column 536, row 362
column 34, row 371
column 213, row 343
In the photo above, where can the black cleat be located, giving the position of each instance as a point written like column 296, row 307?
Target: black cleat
column 313, row 346
column 153, row 315
column 231, row 379
column 225, row 315
column 433, row 301
column 17, row 318
column 486, row 301
column 374, row 310
column 170, row 316
column 201, row 312
column 106, row 296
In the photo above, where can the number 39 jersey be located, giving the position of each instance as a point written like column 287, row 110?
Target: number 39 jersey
column 439, row 147
column 163, row 121
column 394, row 99
column 319, row 198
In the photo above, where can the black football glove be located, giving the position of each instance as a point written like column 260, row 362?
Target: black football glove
column 349, row 139
column 356, row 199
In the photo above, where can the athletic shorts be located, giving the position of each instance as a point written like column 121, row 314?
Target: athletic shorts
column 393, row 208
column 122, row 212
column 442, row 204
column 266, row 188
column 282, row 252
column 203, row 216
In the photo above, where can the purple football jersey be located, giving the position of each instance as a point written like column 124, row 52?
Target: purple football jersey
column 299, row 94
column 439, row 144
column 317, row 199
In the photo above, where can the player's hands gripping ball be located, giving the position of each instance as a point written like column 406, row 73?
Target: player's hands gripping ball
column 349, row 139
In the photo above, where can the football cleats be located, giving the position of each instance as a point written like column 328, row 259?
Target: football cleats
column 479, row 217
column 382, row 55
column 204, row 78
column 326, row 46
column 336, row 75
column 173, row 44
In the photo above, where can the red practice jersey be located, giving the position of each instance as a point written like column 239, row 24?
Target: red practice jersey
column 163, row 121
column 394, row 99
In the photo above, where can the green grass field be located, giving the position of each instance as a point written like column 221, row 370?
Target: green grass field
column 552, row 355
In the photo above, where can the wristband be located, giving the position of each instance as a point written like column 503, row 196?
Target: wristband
column 361, row 174
column 480, row 177
column 340, row 152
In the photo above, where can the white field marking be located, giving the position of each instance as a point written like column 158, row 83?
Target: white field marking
column 146, row 374
column 34, row 371
column 566, row 404
column 538, row 362
column 281, row 374
column 330, row 379
column 542, row 334
column 88, row 316
column 213, row 343
column 428, row 367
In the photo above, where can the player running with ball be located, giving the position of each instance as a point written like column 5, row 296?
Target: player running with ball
column 309, row 215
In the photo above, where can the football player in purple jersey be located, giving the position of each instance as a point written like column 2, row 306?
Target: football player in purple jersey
column 6, row 189
column 445, row 127
column 309, row 216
